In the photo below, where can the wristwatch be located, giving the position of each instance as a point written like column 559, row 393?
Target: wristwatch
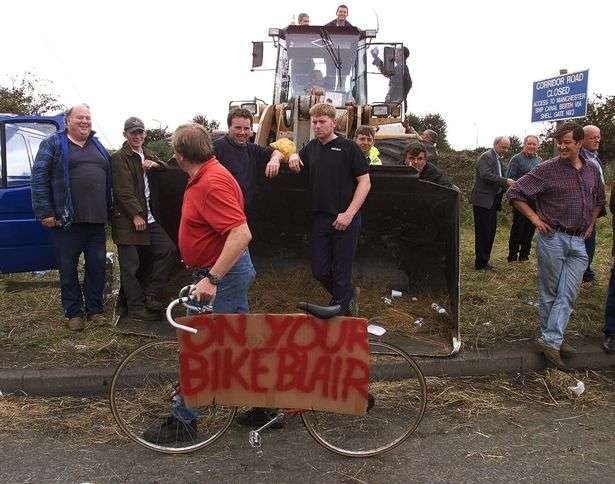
column 212, row 278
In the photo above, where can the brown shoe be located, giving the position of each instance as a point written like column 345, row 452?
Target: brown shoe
column 75, row 323
column 552, row 355
column 97, row 319
column 567, row 350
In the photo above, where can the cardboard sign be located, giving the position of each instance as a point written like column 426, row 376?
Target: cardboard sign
column 276, row 361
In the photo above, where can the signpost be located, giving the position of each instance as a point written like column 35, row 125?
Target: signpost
column 561, row 97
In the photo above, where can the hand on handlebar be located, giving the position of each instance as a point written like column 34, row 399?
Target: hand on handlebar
column 203, row 291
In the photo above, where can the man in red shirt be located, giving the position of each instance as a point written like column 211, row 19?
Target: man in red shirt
column 213, row 232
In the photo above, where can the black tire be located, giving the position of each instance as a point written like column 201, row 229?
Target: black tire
column 140, row 398
column 399, row 394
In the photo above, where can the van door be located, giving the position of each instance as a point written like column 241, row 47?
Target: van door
column 25, row 245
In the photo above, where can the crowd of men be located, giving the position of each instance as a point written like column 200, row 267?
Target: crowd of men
column 78, row 188
column 561, row 198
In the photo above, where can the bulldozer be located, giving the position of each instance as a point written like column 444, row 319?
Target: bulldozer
column 408, row 255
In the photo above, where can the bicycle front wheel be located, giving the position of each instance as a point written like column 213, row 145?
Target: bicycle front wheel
column 142, row 401
column 396, row 406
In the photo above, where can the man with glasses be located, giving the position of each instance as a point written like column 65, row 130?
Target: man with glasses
column 146, row 253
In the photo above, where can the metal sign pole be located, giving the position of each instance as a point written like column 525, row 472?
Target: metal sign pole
column 558, row 123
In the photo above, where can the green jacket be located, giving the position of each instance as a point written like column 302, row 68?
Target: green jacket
column 373, row 156
column 129, row 195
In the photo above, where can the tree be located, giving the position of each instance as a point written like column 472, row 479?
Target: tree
column 157, row 140
column 430, row 121
column 28, row 95
column 210, row 126
column 516, row 145
column 601, row 113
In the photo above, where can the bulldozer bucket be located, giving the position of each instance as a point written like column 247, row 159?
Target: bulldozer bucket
column 409, row 244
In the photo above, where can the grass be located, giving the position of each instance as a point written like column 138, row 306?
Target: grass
column 495, row 307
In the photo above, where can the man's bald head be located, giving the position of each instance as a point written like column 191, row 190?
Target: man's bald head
column 78, row 122
column 501, row 145
column 591, row 137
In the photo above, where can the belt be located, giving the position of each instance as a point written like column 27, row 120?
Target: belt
column 573, row 232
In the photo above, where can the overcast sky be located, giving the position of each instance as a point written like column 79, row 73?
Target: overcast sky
column 472, row 62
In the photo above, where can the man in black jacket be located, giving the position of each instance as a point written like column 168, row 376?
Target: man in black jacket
column 415, row 156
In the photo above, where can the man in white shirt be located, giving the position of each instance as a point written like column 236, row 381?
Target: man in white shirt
column 146, row 253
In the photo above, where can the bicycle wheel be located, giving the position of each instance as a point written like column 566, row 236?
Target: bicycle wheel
column 141, row 396
column 398, row 390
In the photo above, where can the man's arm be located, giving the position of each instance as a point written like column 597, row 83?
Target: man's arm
column 236, row 242
column 532, row 216
column 344, row 219
column 273, row 166
column 125, row 196
column 513, row 169
column 41, row 183
column 487, row 172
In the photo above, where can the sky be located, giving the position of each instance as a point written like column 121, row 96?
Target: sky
column 472, row 62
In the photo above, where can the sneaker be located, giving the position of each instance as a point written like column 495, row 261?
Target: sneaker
column 567, row 350
column 143, row 315
column 170, row 431
column 551, row 354
column 75, row 323
column 257, row 417
column 608, row 344
column 154, row 304
column 97, row 319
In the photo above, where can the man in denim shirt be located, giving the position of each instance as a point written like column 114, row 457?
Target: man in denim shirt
column 522, row 230
column 591, row 143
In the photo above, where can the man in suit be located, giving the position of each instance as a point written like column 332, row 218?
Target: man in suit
column 486, row 198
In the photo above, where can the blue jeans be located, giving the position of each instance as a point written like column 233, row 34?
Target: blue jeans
column 609, row 309
column 562, row 259
column 69, row 244
column 232, row 291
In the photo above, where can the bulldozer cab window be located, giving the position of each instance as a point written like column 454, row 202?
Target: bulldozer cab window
column 329, row 63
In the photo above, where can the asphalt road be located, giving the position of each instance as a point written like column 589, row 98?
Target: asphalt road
column 542, row 444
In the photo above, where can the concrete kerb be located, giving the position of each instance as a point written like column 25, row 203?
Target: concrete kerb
column 521, row 358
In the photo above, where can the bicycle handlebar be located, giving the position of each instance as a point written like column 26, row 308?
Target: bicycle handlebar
column 185, row 301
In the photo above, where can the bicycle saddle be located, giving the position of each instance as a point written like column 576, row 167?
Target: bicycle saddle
column 321, row 312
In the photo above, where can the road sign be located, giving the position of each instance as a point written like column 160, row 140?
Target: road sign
column 561, row 97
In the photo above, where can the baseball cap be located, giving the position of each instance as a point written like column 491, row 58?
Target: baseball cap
column 133, row 124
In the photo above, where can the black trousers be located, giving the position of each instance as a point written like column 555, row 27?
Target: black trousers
column 590, row 247
column 332, row 256
column 485, row 224
column 145, row 269
column 521, row 234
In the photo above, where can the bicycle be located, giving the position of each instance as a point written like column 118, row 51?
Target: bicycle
column 145, row 384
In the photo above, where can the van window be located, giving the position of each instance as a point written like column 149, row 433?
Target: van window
column 22, row 142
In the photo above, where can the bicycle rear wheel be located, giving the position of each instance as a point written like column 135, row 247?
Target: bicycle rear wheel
column 398, row 389
column 141, row 395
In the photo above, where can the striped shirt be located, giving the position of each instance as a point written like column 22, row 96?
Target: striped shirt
column 565, row 196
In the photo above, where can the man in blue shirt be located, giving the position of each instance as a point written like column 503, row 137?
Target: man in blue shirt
column 522, row 230
column 591, row 143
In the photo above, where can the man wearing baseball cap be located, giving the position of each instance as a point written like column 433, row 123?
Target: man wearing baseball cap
column 142, row 244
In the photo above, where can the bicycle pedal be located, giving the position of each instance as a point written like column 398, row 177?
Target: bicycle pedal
column 255, row 439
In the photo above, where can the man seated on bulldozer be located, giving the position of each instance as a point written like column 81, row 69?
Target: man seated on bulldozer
column 364, row 137
column 244, row 159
